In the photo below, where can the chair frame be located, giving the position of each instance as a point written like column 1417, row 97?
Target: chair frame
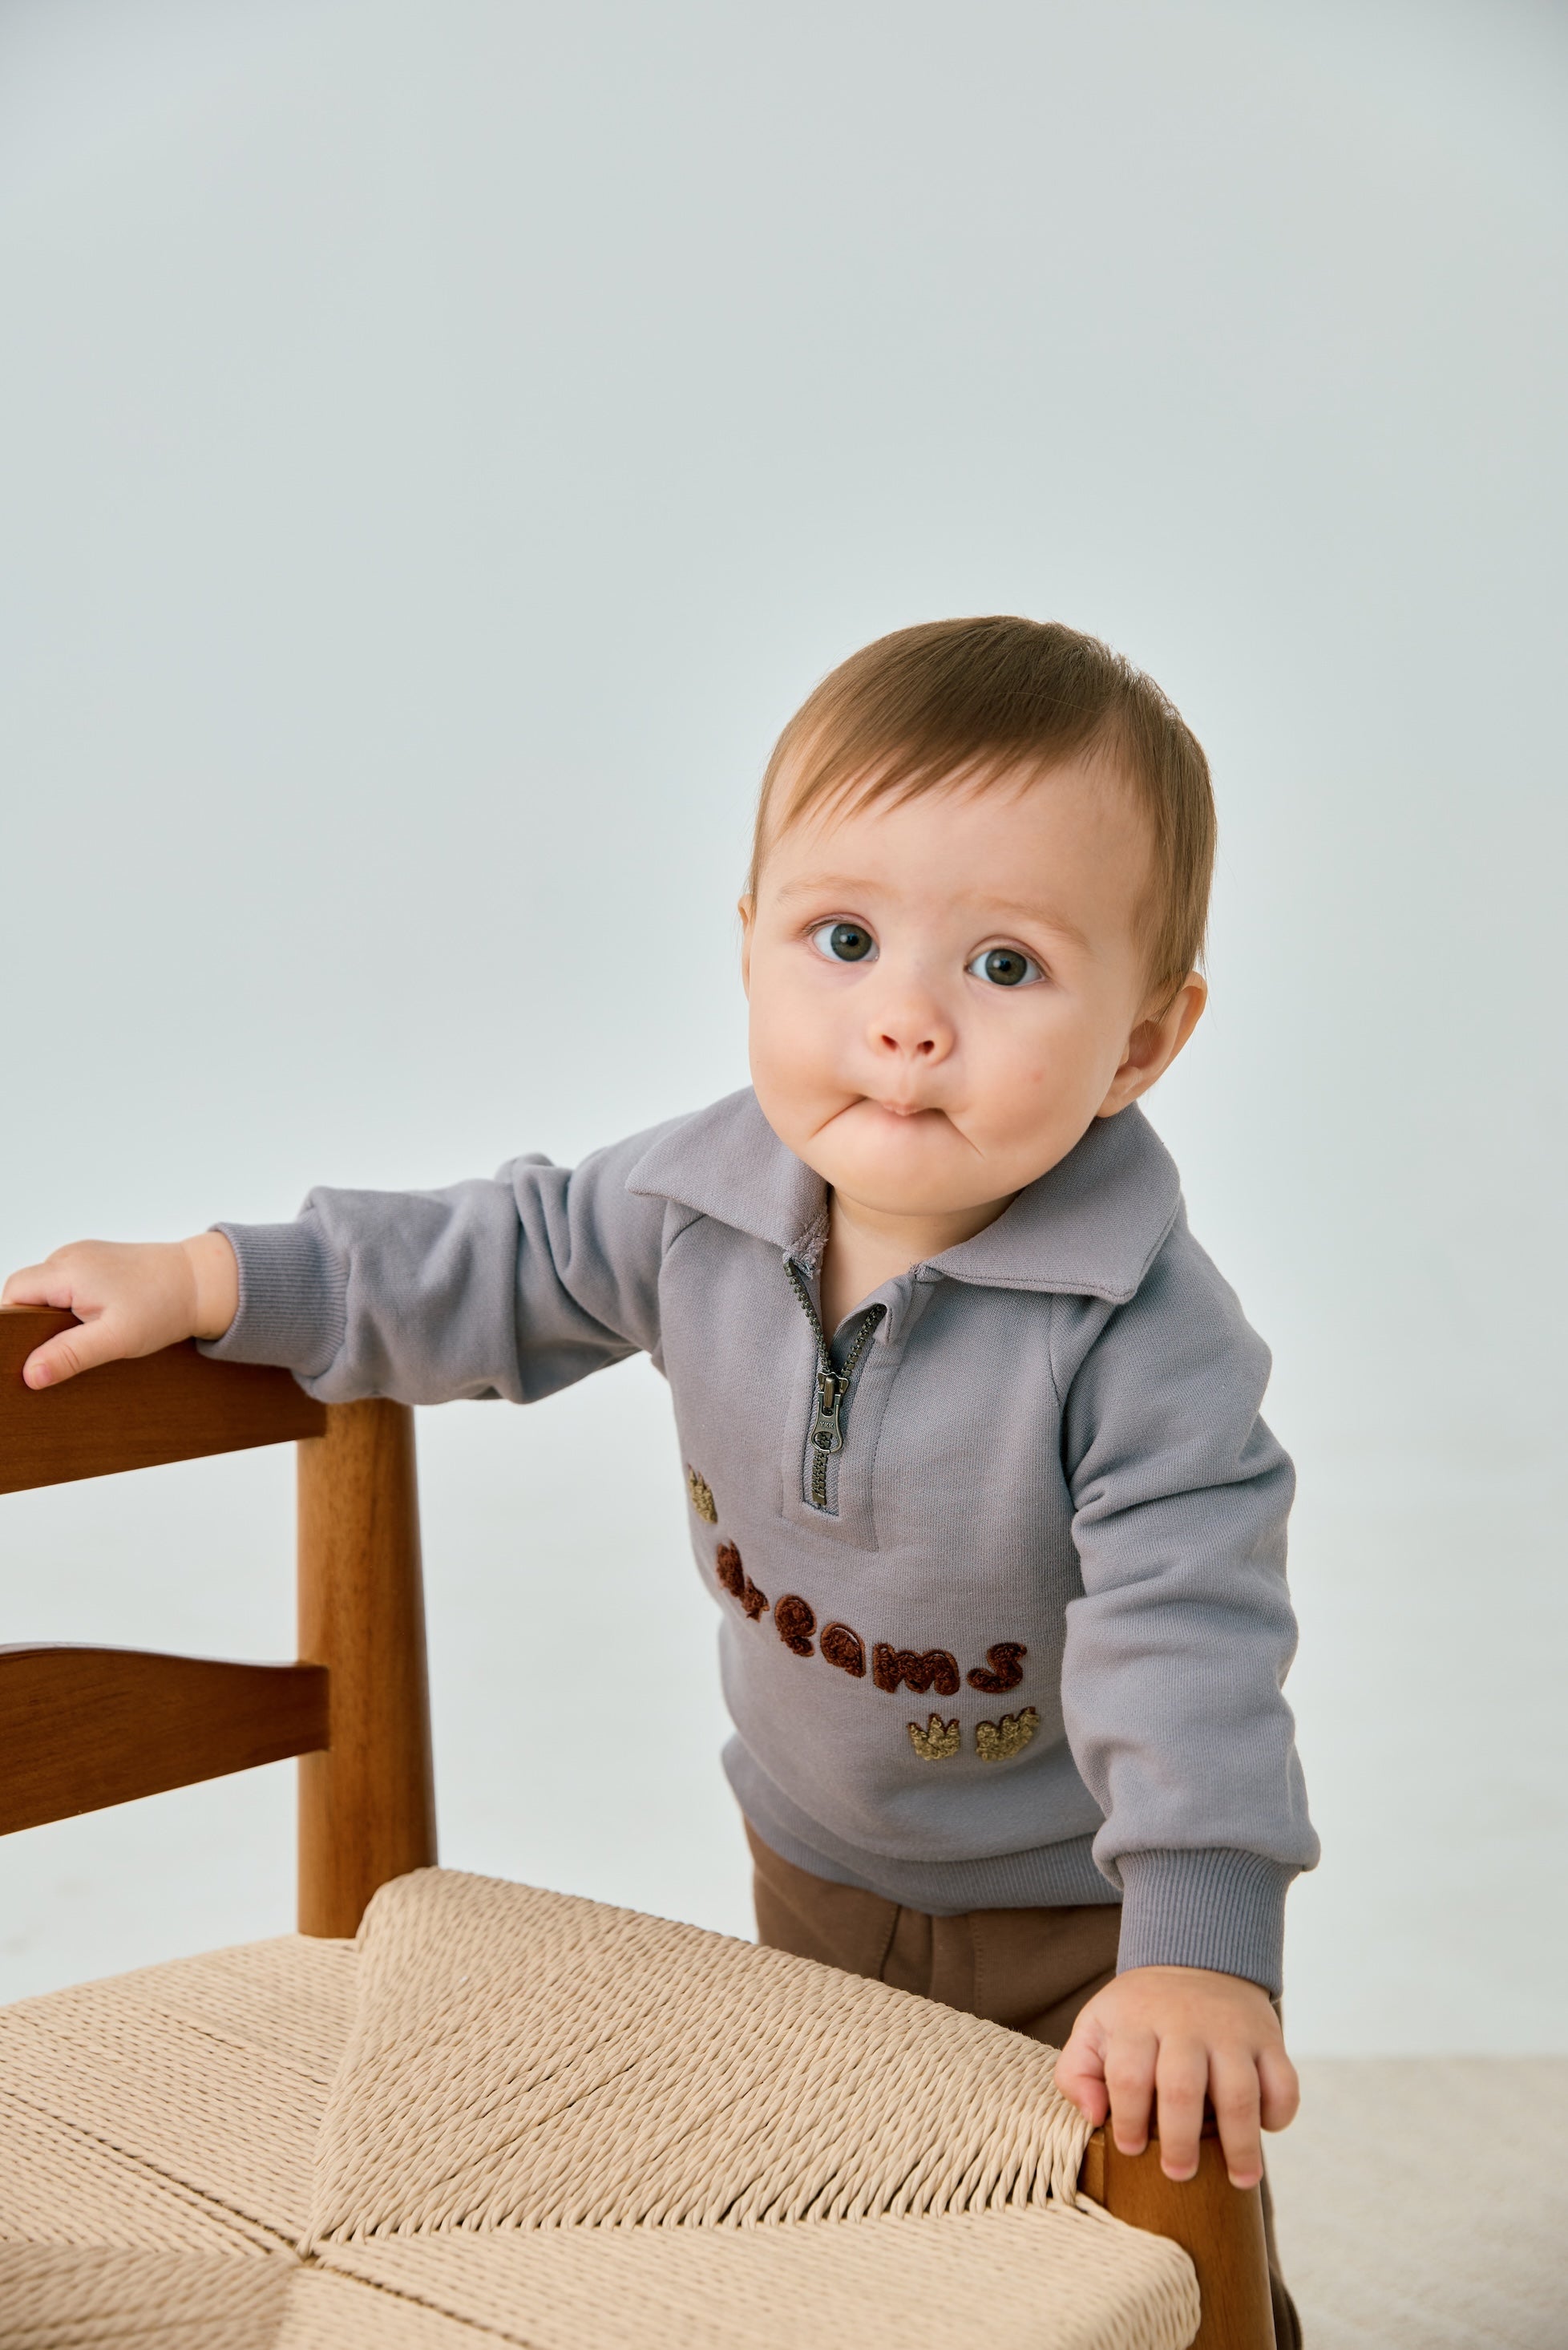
column 83, row 1728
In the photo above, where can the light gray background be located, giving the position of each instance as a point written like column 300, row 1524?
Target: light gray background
column 439, row 443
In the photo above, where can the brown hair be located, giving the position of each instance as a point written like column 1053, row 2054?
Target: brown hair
column 976, row 700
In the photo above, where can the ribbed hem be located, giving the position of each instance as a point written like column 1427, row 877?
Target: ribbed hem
column 1211, row 1907
column 1049, row 1877
column 293, row 1299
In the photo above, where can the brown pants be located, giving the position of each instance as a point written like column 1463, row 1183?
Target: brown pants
column 1031, row 1969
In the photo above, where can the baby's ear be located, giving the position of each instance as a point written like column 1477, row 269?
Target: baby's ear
column 1181, row 1017
column 1155, row 1043
column 746, row 907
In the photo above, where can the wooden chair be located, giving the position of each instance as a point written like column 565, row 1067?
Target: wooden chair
column 83, row 1728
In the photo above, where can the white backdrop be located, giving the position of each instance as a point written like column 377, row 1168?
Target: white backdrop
column 439, row 441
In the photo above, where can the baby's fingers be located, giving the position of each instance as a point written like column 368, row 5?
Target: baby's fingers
column 70, row 1351
column 1234, row 2093
column 128, row 1298
column 1181, row 2078
column 37, row 1284
column 1129, row 2077
column 1081, row 2073
column 54, row 1283
column 1282, row 2089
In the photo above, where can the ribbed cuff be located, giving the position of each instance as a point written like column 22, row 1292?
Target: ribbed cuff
column 293, row 1299
column 1213, row 1907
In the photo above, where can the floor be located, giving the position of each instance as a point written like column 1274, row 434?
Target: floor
column 1422, row 2203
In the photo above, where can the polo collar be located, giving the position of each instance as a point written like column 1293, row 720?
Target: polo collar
column 1091, row 1227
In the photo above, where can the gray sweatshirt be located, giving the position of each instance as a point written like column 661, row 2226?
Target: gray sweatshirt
column 999, row 1570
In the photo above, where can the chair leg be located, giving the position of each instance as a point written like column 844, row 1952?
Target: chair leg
column 1218, row 2226
column 367, row 1804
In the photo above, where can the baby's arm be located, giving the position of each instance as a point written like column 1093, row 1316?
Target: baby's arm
column 1180, row 2034
column 1171, row 1689
column 513, row 1286
column 128, row 1298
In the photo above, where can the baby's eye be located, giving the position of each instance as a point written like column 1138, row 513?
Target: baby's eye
column 843, row 941
column 1005, row 967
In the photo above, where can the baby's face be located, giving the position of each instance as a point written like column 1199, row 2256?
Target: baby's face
column 943, row 993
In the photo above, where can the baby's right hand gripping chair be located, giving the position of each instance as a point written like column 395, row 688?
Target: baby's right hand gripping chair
column 450, row 2111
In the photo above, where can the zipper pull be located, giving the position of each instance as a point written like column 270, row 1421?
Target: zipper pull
column 826, row 1430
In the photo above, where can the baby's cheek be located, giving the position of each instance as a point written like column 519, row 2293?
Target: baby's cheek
column 1059, row 1071
column 794, row 1037
column 793, row 1080
column 1038, row 1107
column 1034, row 1087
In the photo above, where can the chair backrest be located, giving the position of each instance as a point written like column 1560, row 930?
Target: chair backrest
column 81, row 1728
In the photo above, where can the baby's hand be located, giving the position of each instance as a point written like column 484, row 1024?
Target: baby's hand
column 1182, row 2033
column 128, row 1298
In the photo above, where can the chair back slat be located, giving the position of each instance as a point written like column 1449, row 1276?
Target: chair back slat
column 176, row 1406
column 82, row 1728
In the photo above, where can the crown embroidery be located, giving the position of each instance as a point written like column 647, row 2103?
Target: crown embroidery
column 998, row 1742
column 937, row 1741
column 701, row 1495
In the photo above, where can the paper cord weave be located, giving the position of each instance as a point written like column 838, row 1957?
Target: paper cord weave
column 516, row 2117
column 574, row 2064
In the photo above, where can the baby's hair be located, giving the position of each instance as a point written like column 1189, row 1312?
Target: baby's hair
column 979, row 700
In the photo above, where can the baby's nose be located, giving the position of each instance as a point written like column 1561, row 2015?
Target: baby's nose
column 915, row 1029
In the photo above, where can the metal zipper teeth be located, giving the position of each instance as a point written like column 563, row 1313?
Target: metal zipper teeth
column 832, row 1386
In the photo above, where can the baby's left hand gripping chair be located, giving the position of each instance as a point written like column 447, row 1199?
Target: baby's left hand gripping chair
column 463, row 2112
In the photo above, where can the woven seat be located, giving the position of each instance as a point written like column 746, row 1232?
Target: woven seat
column 515, row 2116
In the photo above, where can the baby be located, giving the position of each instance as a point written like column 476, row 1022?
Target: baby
column 970, row 1423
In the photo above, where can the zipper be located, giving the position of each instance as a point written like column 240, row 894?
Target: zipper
column 832, row 1385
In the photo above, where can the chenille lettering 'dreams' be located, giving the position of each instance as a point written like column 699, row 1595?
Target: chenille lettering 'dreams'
column 1003, row 1668
column 738, row 1583
column 794, row 1620
column 917, row 1669
column 845, row 1648
column 795, row 1623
